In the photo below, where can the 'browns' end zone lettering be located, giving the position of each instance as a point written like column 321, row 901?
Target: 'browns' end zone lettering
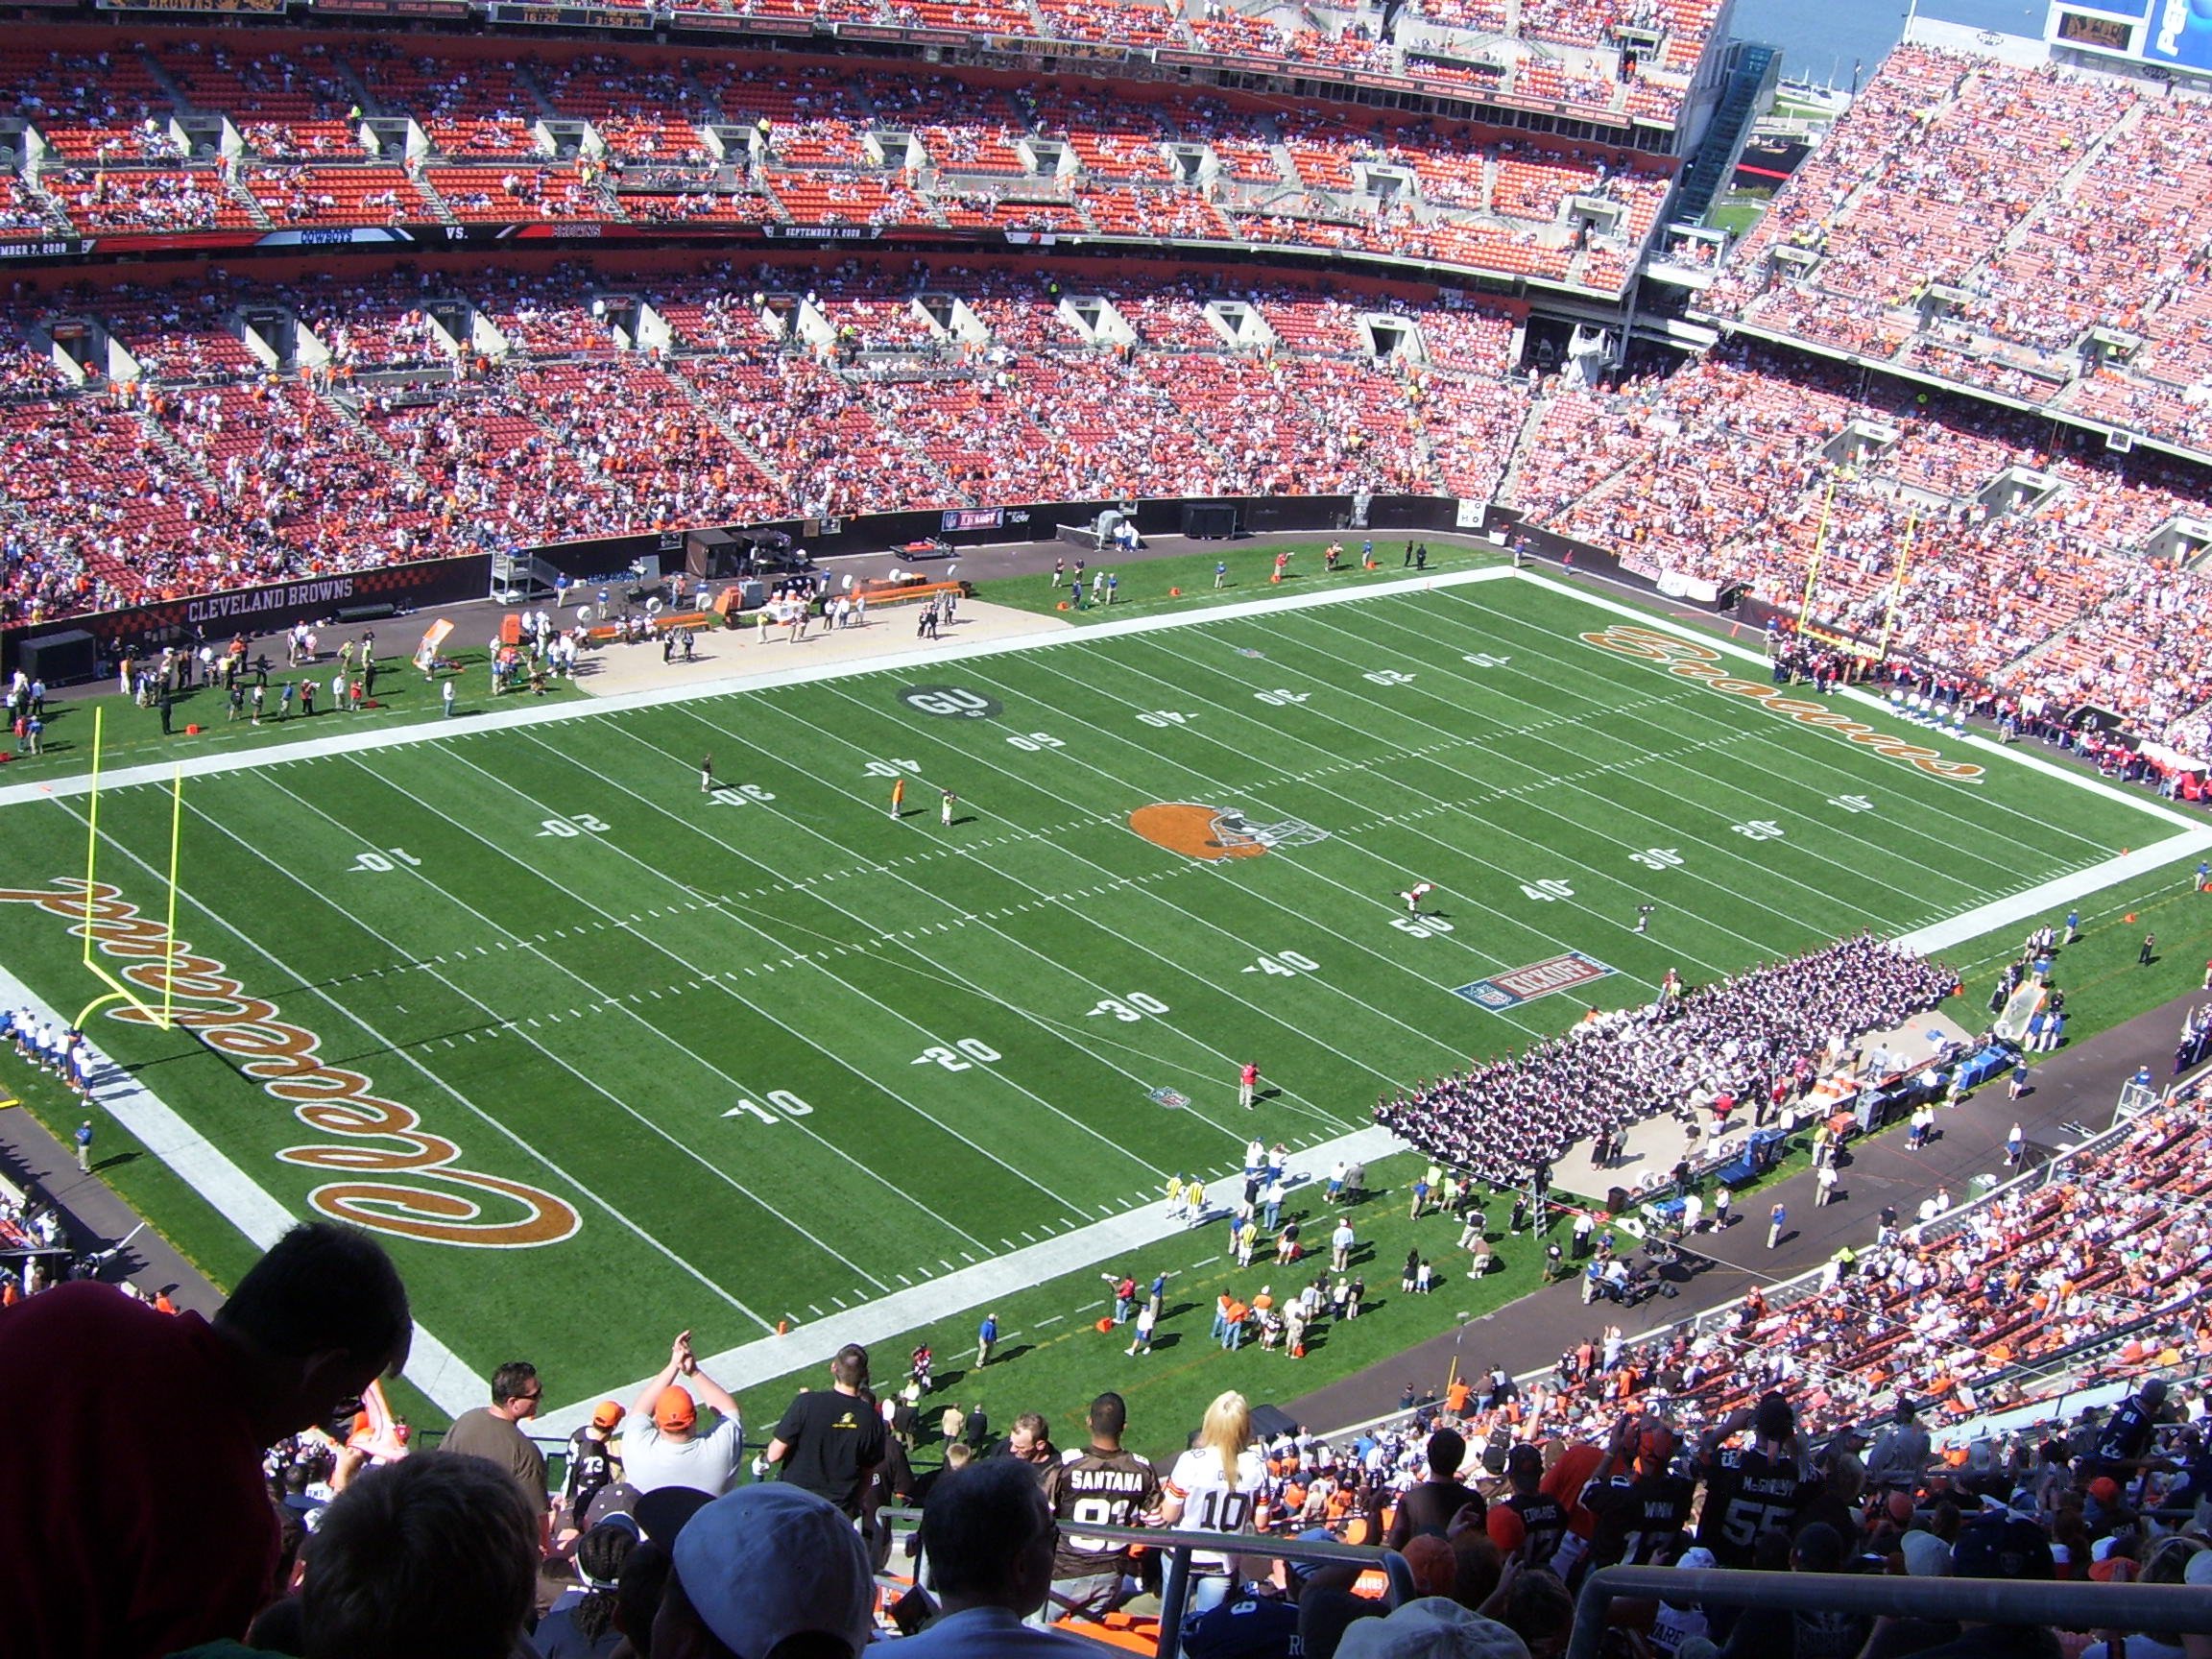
column 1695, row 661
column 1518, row 985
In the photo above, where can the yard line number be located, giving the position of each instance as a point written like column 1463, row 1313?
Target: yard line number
column 1288, row 964
column 975, row 1050
column 736, row 794
column 1420, row 928
column 1035, row 741
column 1128, row 1009
column 786, row 1104
column 382, row 862
column 1549, row 889
column 576, row 824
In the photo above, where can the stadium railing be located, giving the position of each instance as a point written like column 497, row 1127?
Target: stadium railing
column 1176, row 1547
column 2076, row 1604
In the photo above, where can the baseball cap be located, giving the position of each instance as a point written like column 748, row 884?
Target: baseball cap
column 674, row 1412
column 1926, row 1555
column 2105, row 1490
column 1432, row 1629
column 666, row 1511
column 765, row 1563
column 2002, row 1549
column 608, row 1415
column 1434, row 1565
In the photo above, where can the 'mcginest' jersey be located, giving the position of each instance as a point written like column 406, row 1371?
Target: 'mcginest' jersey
column 1212, row 1503
column 1747, row 1493
column 1100, row 1489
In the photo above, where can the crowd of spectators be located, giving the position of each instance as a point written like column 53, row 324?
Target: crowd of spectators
column 2047, row 201
column 1751, row 1039
column 423, row 444
column 1853, row 500
column 308, row 159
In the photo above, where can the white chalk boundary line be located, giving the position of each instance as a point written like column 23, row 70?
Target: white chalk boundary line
column 454, row 1388
column 1117, row 1237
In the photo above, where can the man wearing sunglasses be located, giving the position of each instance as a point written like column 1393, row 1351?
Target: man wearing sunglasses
column 495, row 1433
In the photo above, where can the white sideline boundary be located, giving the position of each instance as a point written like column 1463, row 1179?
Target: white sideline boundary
column 1117, row 1237
column 431, row 1366
column 454, row 1388
column 930, row 657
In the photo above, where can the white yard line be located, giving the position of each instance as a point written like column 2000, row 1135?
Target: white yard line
column 982, row 1285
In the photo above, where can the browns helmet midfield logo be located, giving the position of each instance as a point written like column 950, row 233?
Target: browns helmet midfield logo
column 1217, row 832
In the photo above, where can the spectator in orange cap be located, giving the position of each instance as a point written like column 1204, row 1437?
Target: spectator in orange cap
column 663, row 1445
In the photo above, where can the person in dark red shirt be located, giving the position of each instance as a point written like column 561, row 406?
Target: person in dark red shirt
column 141, row 1521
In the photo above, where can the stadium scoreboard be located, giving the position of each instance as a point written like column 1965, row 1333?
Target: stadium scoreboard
column 2172, row 33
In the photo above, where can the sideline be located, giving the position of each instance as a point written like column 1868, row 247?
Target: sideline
column 768, row 1358
column 930, row 655
column 431, row 1366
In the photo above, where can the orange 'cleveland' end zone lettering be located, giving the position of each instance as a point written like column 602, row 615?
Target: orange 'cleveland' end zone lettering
column 331, row 1099
column 1695, row 661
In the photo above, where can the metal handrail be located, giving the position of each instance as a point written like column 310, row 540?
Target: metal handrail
column 2081, row 1604
column 1177, row 1546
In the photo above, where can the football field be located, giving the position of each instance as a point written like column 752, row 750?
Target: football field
column 602, row 1053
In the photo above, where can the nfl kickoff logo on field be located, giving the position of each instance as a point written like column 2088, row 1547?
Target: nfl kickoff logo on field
column 1518, row 985
column 1168, row 1097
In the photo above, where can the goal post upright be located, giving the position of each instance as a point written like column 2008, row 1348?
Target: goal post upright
column 118, row 989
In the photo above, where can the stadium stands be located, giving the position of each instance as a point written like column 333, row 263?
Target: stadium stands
column 189, row 136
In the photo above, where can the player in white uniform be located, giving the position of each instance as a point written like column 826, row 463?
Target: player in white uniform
column 1414, row 893
column 1214, row 1487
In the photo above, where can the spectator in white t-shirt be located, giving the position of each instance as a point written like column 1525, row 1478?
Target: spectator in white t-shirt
column 663, row 1445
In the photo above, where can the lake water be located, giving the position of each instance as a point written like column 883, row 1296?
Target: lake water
column 1821, row 38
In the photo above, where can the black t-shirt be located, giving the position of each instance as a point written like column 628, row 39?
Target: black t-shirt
column 2127, row 1433
column 1635, row 1516
column 834, row 1439
column 1747, row 1493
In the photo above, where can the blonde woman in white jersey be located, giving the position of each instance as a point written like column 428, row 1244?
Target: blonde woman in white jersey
column 1214, row 1487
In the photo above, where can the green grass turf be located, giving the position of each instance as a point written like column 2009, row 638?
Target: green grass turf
column 707, row 1022
column 1185, row 582
column 132, row 735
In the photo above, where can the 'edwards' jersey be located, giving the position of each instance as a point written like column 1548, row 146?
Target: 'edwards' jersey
column 1546, row 1519
column 1104, row 1489
column 1635, row 1516
column 1747, row 1493
column 1211, row 1501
